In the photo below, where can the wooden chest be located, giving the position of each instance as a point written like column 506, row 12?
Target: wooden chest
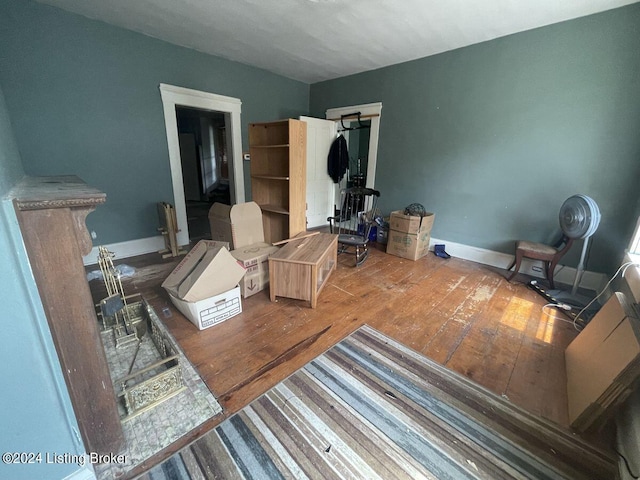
column 301, row 268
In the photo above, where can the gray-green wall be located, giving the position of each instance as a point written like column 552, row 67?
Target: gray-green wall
column 35, row 410
column 83, row 98
column 495, row 136
column 10, row 164
column 491, row 137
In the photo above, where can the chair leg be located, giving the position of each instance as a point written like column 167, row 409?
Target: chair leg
column 551, row 266
column 512, row 263
column 517, row 262
column 361, row 257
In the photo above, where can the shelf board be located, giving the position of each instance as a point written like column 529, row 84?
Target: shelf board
column 283, row 145
column 274, row 209
column 270, row 177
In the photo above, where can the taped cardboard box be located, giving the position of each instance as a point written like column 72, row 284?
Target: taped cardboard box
column 243, row 224
column 400, row 222
column 603, row 364
column 254, row 283
column 408, row 245
column 409, row 236
column 239, row 225
column 255, row 259
column 204, row 285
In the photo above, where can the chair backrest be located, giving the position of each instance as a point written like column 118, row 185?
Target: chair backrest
column 358, row 209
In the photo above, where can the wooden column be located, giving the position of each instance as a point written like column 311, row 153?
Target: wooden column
column 51, row 212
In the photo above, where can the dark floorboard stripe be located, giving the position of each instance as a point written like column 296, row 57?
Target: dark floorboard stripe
column 246, row 451
column 369, row 404
column 433, row 460
column 500, row 447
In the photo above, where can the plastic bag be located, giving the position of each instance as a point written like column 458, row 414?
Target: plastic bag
column 123, row 269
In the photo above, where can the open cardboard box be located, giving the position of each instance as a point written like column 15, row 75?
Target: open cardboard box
column 204, row 285
column 241, row 225
column 409, row 236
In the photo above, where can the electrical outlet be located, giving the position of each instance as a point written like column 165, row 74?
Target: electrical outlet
column 94, row 235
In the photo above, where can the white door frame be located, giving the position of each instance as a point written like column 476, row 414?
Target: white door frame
column 173, row 96
column 365, row 109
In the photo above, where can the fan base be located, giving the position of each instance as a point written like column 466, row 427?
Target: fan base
column 576, row 302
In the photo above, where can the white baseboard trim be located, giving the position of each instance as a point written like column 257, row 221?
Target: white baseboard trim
column 128, row 249
column 565, row 275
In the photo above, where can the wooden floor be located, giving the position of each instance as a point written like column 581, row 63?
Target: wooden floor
column 464, row 315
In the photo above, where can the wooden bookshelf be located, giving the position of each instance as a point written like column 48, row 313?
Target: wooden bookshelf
column 278, row 176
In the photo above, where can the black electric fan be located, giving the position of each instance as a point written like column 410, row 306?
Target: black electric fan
column 579, row 219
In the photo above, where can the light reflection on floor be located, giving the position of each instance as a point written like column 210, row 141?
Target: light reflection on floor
column 517, row 315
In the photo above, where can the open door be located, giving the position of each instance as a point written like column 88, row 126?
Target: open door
column 320, row 187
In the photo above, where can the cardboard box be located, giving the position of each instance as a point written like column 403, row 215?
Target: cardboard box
column 204, row 285
column 255, row 259
column 220, row 223
column 409, row 236
column 408, row 245
column 211, row 311
column 254, row 283
column 400, row 222
column 603, row 363
column 239, row 225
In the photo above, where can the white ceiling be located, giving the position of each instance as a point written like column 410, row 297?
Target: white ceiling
column 315, row 40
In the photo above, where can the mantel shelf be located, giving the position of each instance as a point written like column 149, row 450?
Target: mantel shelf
column 51, row 212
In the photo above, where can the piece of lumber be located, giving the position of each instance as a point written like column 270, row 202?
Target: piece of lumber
column 297, row 237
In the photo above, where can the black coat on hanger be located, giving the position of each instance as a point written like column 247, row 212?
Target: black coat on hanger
column 338, row 160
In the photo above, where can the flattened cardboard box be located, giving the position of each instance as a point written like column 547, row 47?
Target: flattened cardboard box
column 255, row 259
column 204, row 285
column 240, row 224
column 602, row 362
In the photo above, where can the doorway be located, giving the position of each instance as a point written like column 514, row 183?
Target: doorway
column 202, row 135
column 357, row 134
column 360, row 125
column 176, row 97
column 323, row 196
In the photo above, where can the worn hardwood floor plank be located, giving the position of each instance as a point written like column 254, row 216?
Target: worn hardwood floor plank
column 459, row 313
